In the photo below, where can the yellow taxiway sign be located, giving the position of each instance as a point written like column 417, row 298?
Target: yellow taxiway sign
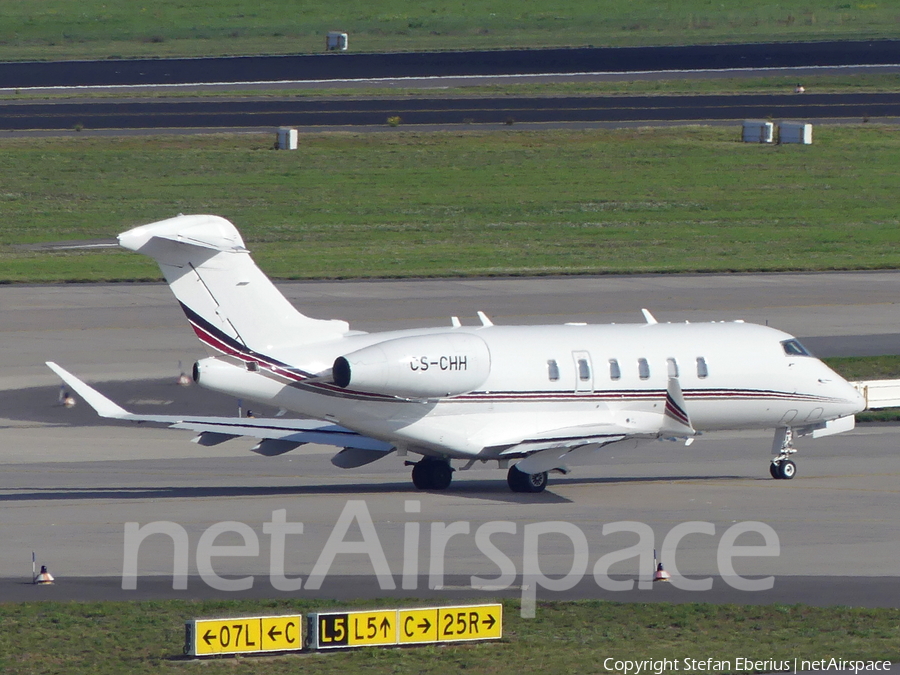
column 336, row 630
column 207, row 637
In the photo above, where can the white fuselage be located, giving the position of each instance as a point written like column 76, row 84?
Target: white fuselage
column 486, row 391
column 540, row 378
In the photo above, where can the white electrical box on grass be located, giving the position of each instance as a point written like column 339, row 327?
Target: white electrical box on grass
column 758, row 131
column 795, row 132
column 336, row 42
column 287, row 139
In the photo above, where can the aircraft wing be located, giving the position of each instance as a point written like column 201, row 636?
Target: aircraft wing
column 276, row 435
column 551, row 448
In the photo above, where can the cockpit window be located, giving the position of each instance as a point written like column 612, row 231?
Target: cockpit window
column 794, row 348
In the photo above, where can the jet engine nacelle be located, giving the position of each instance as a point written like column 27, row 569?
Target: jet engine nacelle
column 230, row 378
column 428, row 366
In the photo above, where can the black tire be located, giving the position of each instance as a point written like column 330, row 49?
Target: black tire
column 519, row 481
column 775, row 471
column 432, row 474
column 441, row 475
column 421, row 476
column 515, row 479
column 787, row 469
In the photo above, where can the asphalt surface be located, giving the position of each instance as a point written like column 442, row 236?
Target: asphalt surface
column 69, row 485
column 313, row 112
column 136, row 331
column 431, row 69
column 423, row 64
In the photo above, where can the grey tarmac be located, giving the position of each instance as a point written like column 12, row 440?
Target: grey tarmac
column 70, row 485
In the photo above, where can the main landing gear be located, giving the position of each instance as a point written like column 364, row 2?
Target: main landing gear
column 430, row 473
column 781, row 467
column 519, row 481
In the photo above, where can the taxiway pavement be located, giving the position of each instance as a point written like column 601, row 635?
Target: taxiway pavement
column 69, row 485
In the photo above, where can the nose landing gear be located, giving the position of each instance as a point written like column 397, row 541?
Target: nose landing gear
column 782, row 468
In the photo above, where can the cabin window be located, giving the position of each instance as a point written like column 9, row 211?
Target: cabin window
column 552, row 370
column 615, row 373
column 702, row 369
column 643, row 369
column 584, row 370
column 794, row 348
column 672, row 367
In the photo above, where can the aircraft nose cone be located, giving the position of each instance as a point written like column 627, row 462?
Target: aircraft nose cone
column 849, row 399
column 858, row 401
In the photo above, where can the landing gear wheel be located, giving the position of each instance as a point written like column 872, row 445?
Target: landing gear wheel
column 421, row 476
column 519, row 481
column 432, row 474
column 775, row 471
column 537, row 481
column 787, row 469
column 441, row 475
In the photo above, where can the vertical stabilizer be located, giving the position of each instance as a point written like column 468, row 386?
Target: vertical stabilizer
column 228, row 300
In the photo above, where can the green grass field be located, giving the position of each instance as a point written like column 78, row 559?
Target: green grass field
column 573, row 637
column 407, row 204
column 775, row 84
column 54, row 29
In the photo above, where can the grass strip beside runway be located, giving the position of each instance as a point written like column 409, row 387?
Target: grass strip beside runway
column 57, row 29
column 865, row 367
column 121, row 638
column 410, row 204
column 850, row 83
column 856, row 368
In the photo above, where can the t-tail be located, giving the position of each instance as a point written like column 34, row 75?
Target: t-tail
column 231, row 304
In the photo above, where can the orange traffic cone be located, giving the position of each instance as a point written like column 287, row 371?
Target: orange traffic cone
column 661, row 574
column 44, row 577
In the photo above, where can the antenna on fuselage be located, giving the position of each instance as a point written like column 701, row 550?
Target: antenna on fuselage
column 648, row 317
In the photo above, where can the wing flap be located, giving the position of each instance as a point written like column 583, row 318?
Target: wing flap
column 564, row 443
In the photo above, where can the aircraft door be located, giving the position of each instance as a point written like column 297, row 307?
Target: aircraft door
column 584, row 373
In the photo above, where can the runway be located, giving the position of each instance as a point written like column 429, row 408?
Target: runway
column 70, row 486
column 350, row 66
column 343, row 112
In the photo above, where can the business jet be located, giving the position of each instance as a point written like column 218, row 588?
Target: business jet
column 534, row 399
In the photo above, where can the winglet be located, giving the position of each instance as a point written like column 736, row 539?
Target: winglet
column 675, row 418
column 104, row 406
